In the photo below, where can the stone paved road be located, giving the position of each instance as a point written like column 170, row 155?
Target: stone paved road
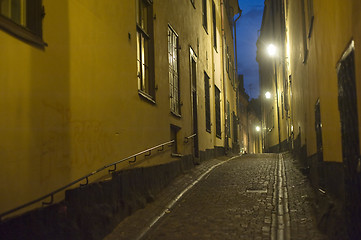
column 238, row 199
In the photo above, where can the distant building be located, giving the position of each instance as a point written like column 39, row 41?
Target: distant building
column 249, row 122
column 243, row 115
column 254, row 127
column 87, row 83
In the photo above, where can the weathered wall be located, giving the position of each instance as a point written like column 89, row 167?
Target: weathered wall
column 74, row 105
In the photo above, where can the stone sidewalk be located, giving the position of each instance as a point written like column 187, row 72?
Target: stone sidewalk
column 249, row 197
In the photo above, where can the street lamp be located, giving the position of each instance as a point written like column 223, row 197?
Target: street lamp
column 258, row 128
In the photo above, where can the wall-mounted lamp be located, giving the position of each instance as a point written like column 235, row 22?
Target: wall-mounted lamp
column 271, row 50
column 268, row 95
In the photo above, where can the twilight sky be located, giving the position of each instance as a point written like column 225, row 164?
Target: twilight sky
column 247, row 33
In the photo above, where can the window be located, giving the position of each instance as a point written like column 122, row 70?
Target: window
column 173, row 71
column 304, row 29
column 214, row 25
column 235, row 128
column 144, row 49
column 23, row 19
column 217, row 97
column 174, row 130
column 207, row 102
column 310, row 16
column 204, row 14
column 228, row 120
column 307, row 17
column 193, row 3
column 227, row 61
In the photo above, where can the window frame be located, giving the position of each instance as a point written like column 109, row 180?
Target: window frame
column 30, row 28
column 205, row 15
column 193, row 3
column 217, row 106
column 207, row 104
column 214, row 22
column 173, row 73
column 145, row 52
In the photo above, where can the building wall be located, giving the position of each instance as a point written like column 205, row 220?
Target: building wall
column 275, row 122
column 73, row 106
column 243, row 120
column 315, row 50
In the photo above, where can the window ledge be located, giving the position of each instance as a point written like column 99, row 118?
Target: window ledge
column 21, row 32
column 305, row 57
column 146, row 96
column 208, row 130
column 176, row 155
column 205, row 29
column 176, row 114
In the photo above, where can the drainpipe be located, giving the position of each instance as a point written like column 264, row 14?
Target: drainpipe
column 235, row 39
column 236, row 74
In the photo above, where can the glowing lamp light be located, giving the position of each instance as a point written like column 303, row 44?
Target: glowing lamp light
column 271, row 50
column 268, row 95
column 258, row 129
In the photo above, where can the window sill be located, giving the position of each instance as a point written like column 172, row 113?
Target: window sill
column 176, row 114
column 146, row 96
column 208, row 130
column 205, row 29
column 219, row 136
column 21, row 32
column 305, row 57
column 176, row 155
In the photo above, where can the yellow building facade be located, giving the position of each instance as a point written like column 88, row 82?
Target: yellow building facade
column 318, row 87
column 87, row 83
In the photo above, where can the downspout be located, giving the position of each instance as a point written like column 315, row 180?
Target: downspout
column 235, row 40
column 236, row 75
column 224, row 83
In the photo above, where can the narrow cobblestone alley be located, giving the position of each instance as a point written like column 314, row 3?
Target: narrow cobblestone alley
column 260, row 196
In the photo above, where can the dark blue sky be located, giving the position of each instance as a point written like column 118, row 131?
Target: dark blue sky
column 247, row 33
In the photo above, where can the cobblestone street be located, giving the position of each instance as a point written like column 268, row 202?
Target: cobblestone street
column 260, row 196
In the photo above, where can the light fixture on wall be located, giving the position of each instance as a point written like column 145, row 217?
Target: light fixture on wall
column 268, row 95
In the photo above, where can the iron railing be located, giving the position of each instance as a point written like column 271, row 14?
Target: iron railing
column 186, row 139
column 160, row 148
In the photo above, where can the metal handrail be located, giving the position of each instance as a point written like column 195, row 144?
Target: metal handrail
column 186, row 139
column 114, row 164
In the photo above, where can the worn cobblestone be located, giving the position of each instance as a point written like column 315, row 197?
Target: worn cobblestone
column 234, row 201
